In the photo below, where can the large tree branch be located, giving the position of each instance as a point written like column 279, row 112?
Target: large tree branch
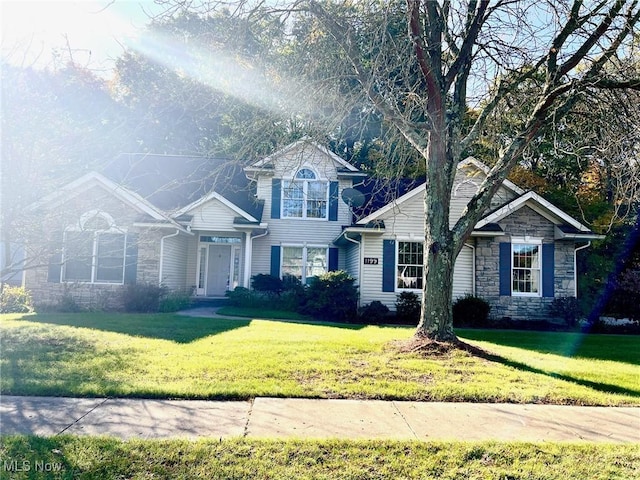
column 463, row 58
column 611, row 84
column 428, row 62
column 595, row 36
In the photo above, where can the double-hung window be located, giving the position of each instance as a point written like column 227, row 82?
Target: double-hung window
column 526, row 268
column 305, row 196
column 303, row 263
column 410, row 265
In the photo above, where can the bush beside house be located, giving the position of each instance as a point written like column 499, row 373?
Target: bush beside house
column 15, row 300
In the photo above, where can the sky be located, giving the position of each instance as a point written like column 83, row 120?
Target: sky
column 40, row 33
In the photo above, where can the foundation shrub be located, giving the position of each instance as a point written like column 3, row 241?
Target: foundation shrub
column 332, row 297
column 374, row 313
column 15, row 300
column 143, row 298
column 471, row 311
column 408, row 308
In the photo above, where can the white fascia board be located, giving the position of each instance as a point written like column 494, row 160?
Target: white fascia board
column 336, row 158
column 538, row 204
column 215, row 196
column 365, row 230
column 392, row 205
column 560, row 235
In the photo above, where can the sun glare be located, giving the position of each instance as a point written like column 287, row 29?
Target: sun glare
column 221, row 71
column 92, row 32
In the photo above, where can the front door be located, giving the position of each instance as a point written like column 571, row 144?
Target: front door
column 218, row 269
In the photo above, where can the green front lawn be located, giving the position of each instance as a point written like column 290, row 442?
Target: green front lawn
column 166, row 355
column 85, row 457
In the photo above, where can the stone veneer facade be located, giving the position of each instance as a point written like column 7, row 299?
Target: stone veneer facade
column 523, row 222
column 50, row 227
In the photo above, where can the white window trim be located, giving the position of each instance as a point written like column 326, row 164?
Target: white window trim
column 304, row 248
column 94, row 253
column 527, row 240
column 397, row 264
column 305, row 187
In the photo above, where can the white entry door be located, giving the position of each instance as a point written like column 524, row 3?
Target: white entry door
column 218, row 269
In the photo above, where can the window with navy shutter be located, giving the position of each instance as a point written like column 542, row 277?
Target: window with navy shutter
column 333, row 201
column 333, row 259
column 505, row 269
column 275, row 260
column 388, row 265
column 54, row 272
column 276, row 192
column 548, row 269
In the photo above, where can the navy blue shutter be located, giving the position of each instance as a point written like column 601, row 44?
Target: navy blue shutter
column 131, row 259
column 548, row 269
column 333, row 259
column 505, row 269
column 55, row 258
column 333, row 201
column 276, row 197
column 275, row 260
column 388, row 265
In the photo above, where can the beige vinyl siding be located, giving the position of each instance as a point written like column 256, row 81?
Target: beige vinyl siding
column 213, row 215
column 351, row 255
column 174, row 263
column 463, row 273
column 305, row 156
column 371, row 284
column 467, row 182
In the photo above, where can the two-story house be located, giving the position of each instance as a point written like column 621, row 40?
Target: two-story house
column 199, row 226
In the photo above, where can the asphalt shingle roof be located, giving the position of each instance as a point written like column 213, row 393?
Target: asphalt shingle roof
column 172, row 182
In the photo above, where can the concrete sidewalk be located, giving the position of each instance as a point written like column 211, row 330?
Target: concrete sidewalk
column 318, row 419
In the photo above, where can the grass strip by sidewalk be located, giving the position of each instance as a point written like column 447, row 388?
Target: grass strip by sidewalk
column 69, row 457
column 171, row 356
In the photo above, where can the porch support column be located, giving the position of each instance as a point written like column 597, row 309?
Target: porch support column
column 248, row 250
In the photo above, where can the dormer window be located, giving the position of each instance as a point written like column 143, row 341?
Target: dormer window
column 305, row 196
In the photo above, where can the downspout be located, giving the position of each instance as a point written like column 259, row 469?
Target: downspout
column 248, row 257
column 162, row 254
column 360, row 261
column 575, row 267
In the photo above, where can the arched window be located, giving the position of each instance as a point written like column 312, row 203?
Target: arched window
column 305, row 196
column 94, row 250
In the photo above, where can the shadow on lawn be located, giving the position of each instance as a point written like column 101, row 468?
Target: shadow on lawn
column 176, row 328
column 599, row 386
column 34, row 359
column 615, row 348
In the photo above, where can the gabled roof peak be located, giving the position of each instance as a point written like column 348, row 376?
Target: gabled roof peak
column 267, row 162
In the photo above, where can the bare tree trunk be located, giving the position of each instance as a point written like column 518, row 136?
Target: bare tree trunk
column 435, row 319
column 439, row 249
